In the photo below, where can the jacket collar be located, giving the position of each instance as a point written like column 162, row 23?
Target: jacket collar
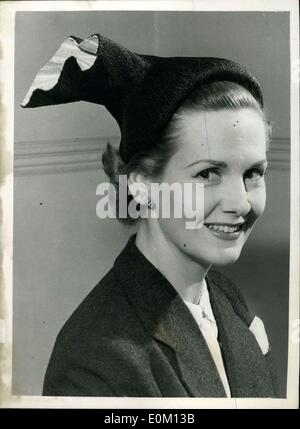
column 167, row 319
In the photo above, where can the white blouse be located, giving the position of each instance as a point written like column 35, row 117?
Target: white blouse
column 203, row 315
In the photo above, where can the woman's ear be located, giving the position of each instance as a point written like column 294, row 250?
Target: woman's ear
column 138, row 187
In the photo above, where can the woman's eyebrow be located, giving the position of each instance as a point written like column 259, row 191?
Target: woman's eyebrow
column 223, row 164
column 259, row 163
column 209, row 161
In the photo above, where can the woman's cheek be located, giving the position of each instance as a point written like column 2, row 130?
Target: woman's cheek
column 210, row 200
column 193, row 205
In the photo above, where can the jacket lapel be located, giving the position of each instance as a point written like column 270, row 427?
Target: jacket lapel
column 246, row 366
column 167, row 319
column 178, row 329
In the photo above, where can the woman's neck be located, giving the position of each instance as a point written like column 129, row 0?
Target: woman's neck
column 186, row 275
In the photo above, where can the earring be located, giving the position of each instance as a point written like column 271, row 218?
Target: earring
column 151, row 204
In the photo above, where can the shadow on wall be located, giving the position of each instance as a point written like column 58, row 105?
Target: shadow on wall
column 267, row 296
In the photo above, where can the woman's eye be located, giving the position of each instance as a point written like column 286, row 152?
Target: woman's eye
column 254, row 174
column 209, row 175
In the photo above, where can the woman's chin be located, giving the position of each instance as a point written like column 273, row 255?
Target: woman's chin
column 225, row 257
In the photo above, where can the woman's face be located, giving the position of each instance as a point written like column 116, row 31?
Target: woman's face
column 224, row 150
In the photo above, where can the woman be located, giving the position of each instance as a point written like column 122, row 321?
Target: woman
column 161, row 323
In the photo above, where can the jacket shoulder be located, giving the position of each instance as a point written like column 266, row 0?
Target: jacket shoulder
column 92, row 341
column 91, row 308
column 105, row 311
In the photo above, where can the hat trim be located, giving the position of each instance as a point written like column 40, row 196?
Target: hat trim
column 85, row 53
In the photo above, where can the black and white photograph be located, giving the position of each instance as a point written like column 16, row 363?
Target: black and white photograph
column 154, row 206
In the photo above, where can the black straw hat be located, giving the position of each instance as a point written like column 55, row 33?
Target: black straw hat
column 142, row 92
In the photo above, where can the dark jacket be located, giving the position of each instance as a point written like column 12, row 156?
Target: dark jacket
column 134, row 336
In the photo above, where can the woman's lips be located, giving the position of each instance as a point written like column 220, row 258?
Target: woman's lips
column 226, row 231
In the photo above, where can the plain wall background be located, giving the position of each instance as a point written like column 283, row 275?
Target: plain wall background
column 61, row 249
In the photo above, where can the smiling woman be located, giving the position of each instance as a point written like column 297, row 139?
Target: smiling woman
column 161, row 322
column 230, row 151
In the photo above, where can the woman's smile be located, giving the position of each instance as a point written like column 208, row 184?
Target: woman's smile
column 226, row 231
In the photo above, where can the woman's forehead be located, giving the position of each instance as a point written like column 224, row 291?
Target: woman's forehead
column 224, row 133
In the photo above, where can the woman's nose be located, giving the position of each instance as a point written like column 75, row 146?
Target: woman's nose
column 235, row 199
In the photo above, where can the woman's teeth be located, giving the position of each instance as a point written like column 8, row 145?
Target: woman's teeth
column 224, row 228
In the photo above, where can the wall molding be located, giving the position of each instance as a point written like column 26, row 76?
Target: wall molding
column 57, row 156
column 279, row 154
